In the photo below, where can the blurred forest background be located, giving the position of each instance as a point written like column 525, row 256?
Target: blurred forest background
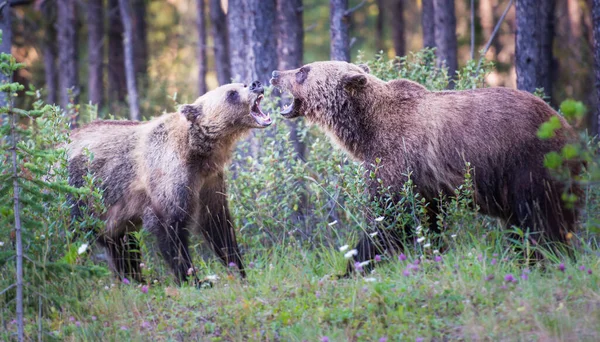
column 185, row 47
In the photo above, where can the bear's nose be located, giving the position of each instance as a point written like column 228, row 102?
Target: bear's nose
column 256, row 87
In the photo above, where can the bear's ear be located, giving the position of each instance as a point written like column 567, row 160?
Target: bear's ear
column 354, row 81
column 190, row 112
column 365, row 68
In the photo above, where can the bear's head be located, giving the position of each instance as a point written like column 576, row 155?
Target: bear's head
column 320, row 88
column 229, row 108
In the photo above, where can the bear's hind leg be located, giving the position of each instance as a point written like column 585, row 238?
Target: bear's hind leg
column 124, row 256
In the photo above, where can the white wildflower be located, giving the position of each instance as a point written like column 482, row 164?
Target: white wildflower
column 82, row 248
column 419, row 228
column 1, row 243
column 364, row 263
column 332, row 223
column 350, row 253
column 453, row 236
column 343, row 248
column 421, row 239
column 427, row 245
column 212, row 277
column 373, row 234
column 435, row 251
column 379, row 219
column 106, row 287
column 42, row 236
column 370, row 279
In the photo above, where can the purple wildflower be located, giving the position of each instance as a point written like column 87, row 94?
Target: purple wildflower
column 438, row 258
column 71, row 319
column 324, row 339
column 251, row 265
column 144, row 289
column 480, row 258
column 589, row 271
column 126, row 281
column 318, row 294
column 94, row 318
column 582, row 268
column 406, row 273
column 146, row 325
column 377, row 258
column 419, row 339
column 493, row 261
column 232, row 264
column 402, row 257
column 509, row 278
column 383, row 339
column 78, row 324
column 123, row 327
column 489, row 277
column 561, row 267
column 358, row 266
column 524, row 276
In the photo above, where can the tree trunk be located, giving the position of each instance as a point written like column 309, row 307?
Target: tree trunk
column 5, row 46
column 95, row 23
column 201, row 26
column 49, row 50
column 67, row 52
column 252, row 47
column 140, row 42
column 547, row 65
column 218, row 25
column 398, row 27
column 596, row 26
column 445, row 34
column 340, row 30
column 237, row 25
column 428, row 23
column 116, row 59
column 379, row 46
column 290, row 47
column 533, row 50
column 134, row 109
column 263, row 48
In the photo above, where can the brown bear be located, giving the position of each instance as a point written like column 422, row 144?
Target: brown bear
column 167, row 175
column 433, row 135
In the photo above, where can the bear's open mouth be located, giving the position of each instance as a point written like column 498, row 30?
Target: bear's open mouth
column 291, row 109
column 261, row 118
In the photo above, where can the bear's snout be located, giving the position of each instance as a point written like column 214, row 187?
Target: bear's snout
column 256, row 87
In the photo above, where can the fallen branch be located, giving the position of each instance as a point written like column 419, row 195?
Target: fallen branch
column 355, row 8
column 493, row 35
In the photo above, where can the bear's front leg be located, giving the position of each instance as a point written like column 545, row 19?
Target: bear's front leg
column 216, row 223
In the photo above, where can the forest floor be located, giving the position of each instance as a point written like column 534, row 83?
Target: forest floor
column 290, row 295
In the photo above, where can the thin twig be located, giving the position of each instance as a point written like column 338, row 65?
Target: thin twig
column 355, row 8
column 8, row 288
column 493, row 35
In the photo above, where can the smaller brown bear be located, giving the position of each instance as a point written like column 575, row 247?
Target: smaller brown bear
column 432, row 135
column 167, row 175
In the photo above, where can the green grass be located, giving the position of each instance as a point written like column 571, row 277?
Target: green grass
column 291, row 295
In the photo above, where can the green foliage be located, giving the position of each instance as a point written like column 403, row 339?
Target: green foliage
column 52, row 265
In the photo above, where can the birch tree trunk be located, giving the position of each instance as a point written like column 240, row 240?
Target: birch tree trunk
column 219, row 33
column 134, row 109
column 201, row 27
column 95, row 24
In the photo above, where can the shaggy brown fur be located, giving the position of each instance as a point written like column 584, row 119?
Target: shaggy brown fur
column 168, row 175
column 433, row 135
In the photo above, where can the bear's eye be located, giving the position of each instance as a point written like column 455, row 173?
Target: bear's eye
column 302, row 74
column 233, row 96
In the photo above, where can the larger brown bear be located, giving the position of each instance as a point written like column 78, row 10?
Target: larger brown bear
column 167, row 175
column 433, row 135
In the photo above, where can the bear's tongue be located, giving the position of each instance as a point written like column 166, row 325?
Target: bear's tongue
column 258, row 115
